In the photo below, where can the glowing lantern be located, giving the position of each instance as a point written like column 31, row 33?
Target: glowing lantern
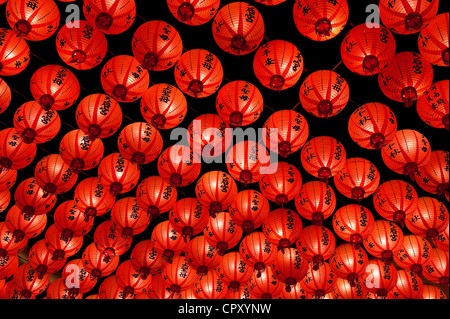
column 8, row 267
column 432, row 106
column 442, row 240
column 94, row 262
column 31, row 199
column 316, row 244
column 257, row 251
column 146, row 259
column 202, row 256
column 192, row 12
column 15, row 154
column 436, row 269
column 8, row 246
column 40, row 258
column 414, row 254
column 249, row 209
column 15, row 53
column 129, row 217
column 167, row 241
column 343, row 290
column 265, row 285
column 59, row 248
column 179, row 275
column 270, row 2
column 69, row 220
column 409, row 286
column 316, row 201
column 289, row 267
column 57, row 289
column 349, row 263
column 23, row 227
column 282, row 227
column 155, row 195
column 5, row 198
column 129, row 281
column 318, row 282
column 234, row 271
column 210, row 286
column 222, row 233
column 188, row 217
column 432, row 47
column 27, row 282
column 110, row 17
column 433, row 177
column 433, row 292
column 110, row 289
column 118, row 174
column 429, row 219
column 5, row 95
column 108, row 239
column 380, row 278
column 7, row 179
column 385, row 240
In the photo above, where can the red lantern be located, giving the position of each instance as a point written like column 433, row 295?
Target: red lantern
column 210, row 286
column 282, row 227
column 409, row 286
column 54, row 87
column 146, row 259
column 270, row 2
column 406, row 77
column 167, row 241
column 163, row 106
column 234, row 271
column 118, row 174
column 380, row 278
column 108, row 239
column 316, row 244
column 110, row 289
column 324, row 22
column 22, row 226
column 80, row 152
column 179, row 166
column 343, row 290
column 129, row 280
column 323, row 157
column 5, row 95
column 94, row 262
column 13, row 49
column 265, row 285
column 5, row 198
column 222, row 232
column 358, row 179
column 188, row 217
column 82, row 47
column 27, row 282
column 372, row 125
column 442, row 240
column 366, row 49
column 60, row 248
column 99, row 116
column 353, row 223
column 7, row 179
column 432, row 106
column 70, row 221
column 408, row 151
column 31, row 199
column 192, row 12
column 35, row 22
column 407, row 17
column 124, row 78
column 160, row 289
column 238, row 28
column 433, row 177
column 179, row 275
column 129, row 217
column 8, row 246
column 436, row 269
column 289, row 267
column 15, row 154
column 278, row 65
column 155, row 195
column 257, row 251
column 318, row 282
column 249, row 209
column 8, row 267
column 57, row 289
column 349, row 263
column 324, row 93
column 296, row 292
column 429, row 219
column 202, row 256
column 432, row 47
column 110, row 17
column 385, row 240
column 414, row 254
column 433, row 292
column 40, row 258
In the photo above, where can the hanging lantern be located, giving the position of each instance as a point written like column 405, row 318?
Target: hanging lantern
column 316, row 244
column 80, row 152
column 57, row 289
column 35, row 21
column 40, row 258
column 59, row 248
column 146, row 259
column 323, row 157
column 432, row 106
column 265, row 285
column 358, row 179
column 15, row 154
column 414, row 254
column 270, row 2
column 289, row 267
column 296, row 292
column 324, row 93
column 366, row 50
column 349, row 263
column 23, row 227
column 442, row 240
column 8, row 267
column 380, row 278
column 167, row 241
column 234, row 271
column 318, row 282
column 35, row 124
column 249, row 209
column 110, row 17
column 110, row 289
column 15, row 53
column 429, row 219
column 7, row 179
column 82, row 47
column 409, row 286
column 433, row 177
column 238, row 28
column 5, row 198
column 406, row 77
column 407, row 18
column 353, row 223
column 278, row 65
column 129, row 217
column 436, row 269
column 54, row 87
column 222, row 232
column 372, row 125
column 163, row 106
column 8, row 246
column 408, row 151
column 5, row 94
column 385, row 240
column 129, row 281
column 27, row 282
column 395, row 200
column 192, row 12
column 118, row 174
column 160, row 289
column 70, row 222
column 282, row 227
column 94, row 262
column 155, row 195
column 433, row 292
column 343, row 290
column 108, row 239
column 432, row 47
column 179, row 275
column 124, row 78
column 179, row 166
column 202, row 256
column 99, row 116
column 210, row 286
column 31, row 199
column 257, row 251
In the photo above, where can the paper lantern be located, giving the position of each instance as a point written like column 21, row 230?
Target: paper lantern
column 76, row 278
column 22, row 226
column 129, row 281
column 8, row 246
column 249, row 209
column 429, row 219
column 265, row 285
column 316, row 244
column 433, row 292
column 129, row 217
column 167, row 241
column 155, row 195
column 59, row 247
column 118, row 174
column 5, row 95
column 110, row 289
column 15, row 154
column 202, row 256
column 432, row 106
column 146, row 259
column 432, row 47
column 7, row 179
column 160, row 289
column 433, row 177
column 385, row 240
column 108, row 239
column 257, row 251
column 282, row 227
column 15, row 53
column 222, row 233
column 5, row 198
column 193, row 12
column 442, row 240
column 8, row 267
column 31, row 199
column 110, row 17
column 414, row 254
column 409, row 286
column 40, row 258
column 380, row 278
column 70, row 221
column 270, row 2
column 95, row 264
column 436, row 269
column 210, row 286
column 318, row 282
column 57, row 290
column 179, row 275
column 234, row 271
column 289, row 267
column 343, row 290
column 27, row 282
column 349, row 263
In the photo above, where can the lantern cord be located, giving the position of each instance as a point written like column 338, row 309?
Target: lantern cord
column 298, row 103
column 336, row 65
column 39, row 58
column 141, row 17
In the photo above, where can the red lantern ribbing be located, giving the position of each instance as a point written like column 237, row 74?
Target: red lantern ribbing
column 202, row 256
column 188, row 217
column 5, row 94
column 70, row 221
column 193, row 12
column 24, row 227
column 222, row 232
column 27, row 283
column 15, row 154
column 249, row 209
column 13, row 49
column 257, row 251
column 432, row 106
column 349, row 263
column 289, row 267
column 414, row 254
column 429, row 219
column 409, row 286
column 380, row 278
column 94, row 262
column 146, row 259
column 433, row 177
column 118, row 174
column 32, row 199
column 316, row 244
column 315, row 202
column 108, row 239
column 167, row 241
column 385, row 240
column 129, row 217
column 155, row 195
column 282, row 227
column 318, row 282
column 110, row 16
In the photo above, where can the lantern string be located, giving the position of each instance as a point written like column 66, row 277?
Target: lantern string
column 298, row 103
column 336, row 65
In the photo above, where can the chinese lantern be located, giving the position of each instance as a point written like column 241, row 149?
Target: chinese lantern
column 179, row 275
column 5, row 198
column 407, row 18
column 54, row 87
column 318, row 282
column 8, row 267
column 118, row 174
column 385, row 240
column 234, row 271
column 146, row 259
column 353, row 223
column 179, row 166
column 316, row 201
column 57, row 289
column 343, row 290
column 432, row 47
column 80, row 152
column 110, row 289
column 110, row 17
column 192, row 12
column 5, row 94
column 40, row 258
column 429, row 219
column 270, row 2
column 414, row 254
column 92, row 198
column 8, row 246
column 249, row 209
column 289, row 267
column 324, row 93
column 129, row 280
column 278, row 65
column 316, row 244
column 27, row 282
column 202, row 256
column 188, row 217
column 210, row 286
column 155, row 195
column 409, row 286
column 198, row 73
column 129, row 217
column 366, row 50
column 124, row 78
column 94, row 262
column 257, row 251
column 395, row 200
column 433, row 177
column 406, row 77
column 34, row 21
column 15, row 154
column 408, row 151
column 265, row 285
column 238, row 28
column 15, row 53
column 432, row 106
column 372, row 125
column 282, row 186
column 380, row 278
column 7, row 179
column 222, row 232
column 99, row 116
column 108, row 239
column 320, row 20
column 349, row 263
column 31, row 199
column 163, row 106
column 156, row 45
column 22, row 226
column 282, row 227
column 82, row 47
column 216, row 190
column 160, row 288
column 296, row 292
column 60, row 248
column 358, row 179
column 70, row 222
column 323, row 157
column 436, row 269
column 433, row 292
column 167, row 241
column 442, row 241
